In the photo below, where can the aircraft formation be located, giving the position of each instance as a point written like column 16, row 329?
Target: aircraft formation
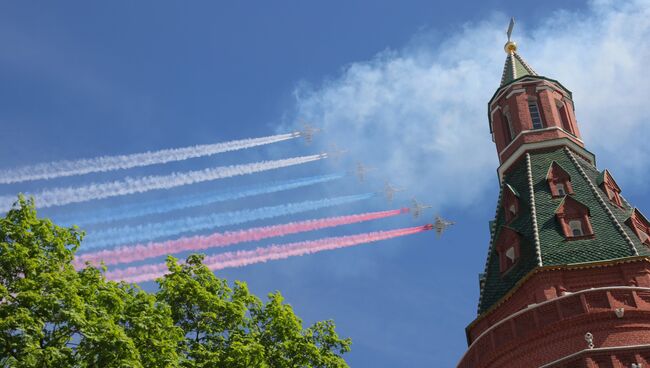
column 440, row 224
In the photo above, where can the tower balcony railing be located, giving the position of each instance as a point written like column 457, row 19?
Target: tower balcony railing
column 532, row 321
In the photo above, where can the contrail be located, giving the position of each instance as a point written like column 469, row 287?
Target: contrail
column 67, row 195
column 127, row 254
column 167, row 205
column 154, row 230
column 264, row 254
column 57, row 169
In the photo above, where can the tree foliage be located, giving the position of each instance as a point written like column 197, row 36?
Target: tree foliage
column 52, row 315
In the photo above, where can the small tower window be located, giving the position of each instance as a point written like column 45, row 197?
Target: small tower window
column 576, row 228
column 609, row 186
column 559, row 181
column 534, row 114
column 508, row 248
column 564, row 116
column 510, row 131
column 640, row 225
column 513, row 210
column 510, row 202
column 573, row 217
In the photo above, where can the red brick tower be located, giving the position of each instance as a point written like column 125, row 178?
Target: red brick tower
column 567, row 276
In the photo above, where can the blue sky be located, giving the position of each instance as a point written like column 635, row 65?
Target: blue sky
column 402, row 85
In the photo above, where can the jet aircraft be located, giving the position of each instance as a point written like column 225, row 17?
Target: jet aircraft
column 307, row 132
column 440, row 225
column 417, row 208
column 362, row 170
column 389, row 191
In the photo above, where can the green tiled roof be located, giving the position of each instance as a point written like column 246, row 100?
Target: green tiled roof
column 613, row 239
column 514, row 68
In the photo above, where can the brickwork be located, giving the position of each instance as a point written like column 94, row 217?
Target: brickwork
column 549, row 331
column 567, row 278
column 514, row 102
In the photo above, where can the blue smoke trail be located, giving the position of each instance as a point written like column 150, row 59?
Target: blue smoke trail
column 130, row 211
column 155, row 230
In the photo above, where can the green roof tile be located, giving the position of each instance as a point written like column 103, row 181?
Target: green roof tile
column 608, row 243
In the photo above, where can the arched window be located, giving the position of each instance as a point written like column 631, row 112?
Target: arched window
column 510, row 202
column 573, row 218
column 564, row 116
column 534, row 114
column 609, row 186
column 640, row 225
column 510, row 130
column 508, row 245
column 576, row 227
column 559, row 181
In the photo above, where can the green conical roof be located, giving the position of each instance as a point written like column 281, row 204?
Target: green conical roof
column 514, row 68
column 543, row 242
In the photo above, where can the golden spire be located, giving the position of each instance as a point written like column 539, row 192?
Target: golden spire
column 510, row 46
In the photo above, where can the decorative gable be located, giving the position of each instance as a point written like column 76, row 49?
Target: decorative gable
column 508, row 246
column 640, row 225
column 607, row 183
column 559, row 181
column 510, row 202
column 573, row 217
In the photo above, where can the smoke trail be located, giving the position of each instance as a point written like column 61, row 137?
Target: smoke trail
column 167, row 205
column 59, row 169
column 131, row 234
column 264, row 254
column 127, row 254
column 67, row 195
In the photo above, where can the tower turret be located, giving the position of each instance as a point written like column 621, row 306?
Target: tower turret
column 529, row 111
column 567, row 276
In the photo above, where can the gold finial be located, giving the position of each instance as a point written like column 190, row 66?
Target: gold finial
column 510, row 46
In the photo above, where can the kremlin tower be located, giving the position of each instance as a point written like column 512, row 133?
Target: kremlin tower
column 567, row 276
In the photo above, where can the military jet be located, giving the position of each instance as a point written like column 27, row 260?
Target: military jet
column 335, row 153
column 389, row 191
column 362, row 170
column 307, row 132
column 440, row 225
column 417, row 208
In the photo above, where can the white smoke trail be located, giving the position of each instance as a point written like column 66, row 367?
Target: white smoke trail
column 50, row 170
column 67, row 195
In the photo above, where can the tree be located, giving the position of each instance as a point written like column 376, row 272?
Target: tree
column 52, row 315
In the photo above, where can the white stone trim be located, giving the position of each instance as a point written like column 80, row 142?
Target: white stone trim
column 544, row 144
column 594, row 350
column 515, row 91
column 526, row 81
column 532, row 306
column 533, row 210
column 537, row 130
column 544, row 88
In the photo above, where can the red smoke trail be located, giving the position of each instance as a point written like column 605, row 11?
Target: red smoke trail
column 127, row 254
column 264, row 254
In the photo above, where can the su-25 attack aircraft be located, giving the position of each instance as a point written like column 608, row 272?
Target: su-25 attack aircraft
column 307, row 132
column 417, row 208
column 440, row 225
column 362, row 171
column 389, row 191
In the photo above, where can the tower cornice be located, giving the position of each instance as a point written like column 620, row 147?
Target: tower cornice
column 521, row 150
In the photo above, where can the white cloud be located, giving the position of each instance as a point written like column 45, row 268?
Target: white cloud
column 419, row 114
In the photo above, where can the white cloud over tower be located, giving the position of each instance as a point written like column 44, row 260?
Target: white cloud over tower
column 420, row 113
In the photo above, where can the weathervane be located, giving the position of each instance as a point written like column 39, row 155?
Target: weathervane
column 510, row 46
